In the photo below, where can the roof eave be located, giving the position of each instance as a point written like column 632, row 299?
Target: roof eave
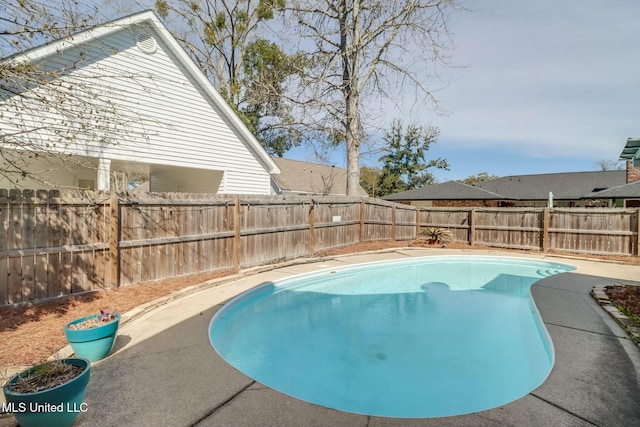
column 630, row 150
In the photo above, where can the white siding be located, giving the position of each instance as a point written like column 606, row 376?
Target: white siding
column 236, row 181
column 168, row 119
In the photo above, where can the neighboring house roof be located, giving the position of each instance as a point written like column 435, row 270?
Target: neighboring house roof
column 202, row 131
column 564, row 186
column 311, row 178
column 625, row 191
column 446, row 191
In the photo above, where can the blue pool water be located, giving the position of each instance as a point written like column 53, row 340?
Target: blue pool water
column 426, row 337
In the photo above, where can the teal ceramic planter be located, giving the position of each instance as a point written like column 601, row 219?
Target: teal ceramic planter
column 56, row 407
column 95, row 343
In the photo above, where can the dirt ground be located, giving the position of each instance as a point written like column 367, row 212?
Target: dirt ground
column 31, row 333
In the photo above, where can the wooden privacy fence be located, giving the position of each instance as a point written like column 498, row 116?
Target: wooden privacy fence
column 596, row 231
column 55, row 244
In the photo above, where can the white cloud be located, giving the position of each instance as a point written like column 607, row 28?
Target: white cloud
column 545, row 77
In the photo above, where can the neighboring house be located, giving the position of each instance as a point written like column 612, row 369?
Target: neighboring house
column 572, row 189
column 626, row 195
column 620, row 188
column 304, row 178
column 450, row 193
column 175, row 126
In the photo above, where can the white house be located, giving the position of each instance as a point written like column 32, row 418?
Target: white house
column 150, row 110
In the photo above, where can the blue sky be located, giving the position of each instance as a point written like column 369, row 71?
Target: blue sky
column 547, row 86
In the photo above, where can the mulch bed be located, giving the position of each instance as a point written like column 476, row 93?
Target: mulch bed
column 627, row 299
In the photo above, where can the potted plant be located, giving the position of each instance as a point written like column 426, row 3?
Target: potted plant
column 437, row 234
column 50, row 394
column 93, row 337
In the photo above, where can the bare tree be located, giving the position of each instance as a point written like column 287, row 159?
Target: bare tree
column 364, row 51
column 610, row 165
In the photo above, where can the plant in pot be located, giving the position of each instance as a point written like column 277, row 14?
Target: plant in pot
column 50, row 394
column 93, row 337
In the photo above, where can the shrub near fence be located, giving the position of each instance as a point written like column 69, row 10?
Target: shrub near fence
column 56, row 244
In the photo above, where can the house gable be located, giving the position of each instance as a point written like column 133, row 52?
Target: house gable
column 170, row 114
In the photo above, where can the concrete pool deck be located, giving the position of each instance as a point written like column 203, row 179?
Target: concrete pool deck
column 164, row 371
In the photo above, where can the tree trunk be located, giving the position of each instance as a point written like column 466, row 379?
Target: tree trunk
column 350, row 47
column 353, row 147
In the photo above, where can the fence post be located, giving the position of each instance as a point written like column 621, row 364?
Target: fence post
column 545, row 229
column 237, row 228
column 115, row 227
column 393, row 223
column 638, row 232
column 312, row 233
column 472, row 226
column 417, row 222
column 362, row 209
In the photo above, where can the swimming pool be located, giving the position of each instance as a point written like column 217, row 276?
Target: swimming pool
column 425, row 337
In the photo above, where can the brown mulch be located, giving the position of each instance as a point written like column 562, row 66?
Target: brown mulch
column 30, row 334
column 626, row 298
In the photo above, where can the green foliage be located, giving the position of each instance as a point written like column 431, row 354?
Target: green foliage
column 266, row 69
column 629, row 313
column 481, row 177
column 266, row 7
column 370, row 179
column 210, row 33
column 162, row 8
column 405, row 166
column 390, row 183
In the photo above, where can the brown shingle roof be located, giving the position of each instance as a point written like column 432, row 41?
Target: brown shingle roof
column 564, row 186
column 311, row 178
column 450, row 190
